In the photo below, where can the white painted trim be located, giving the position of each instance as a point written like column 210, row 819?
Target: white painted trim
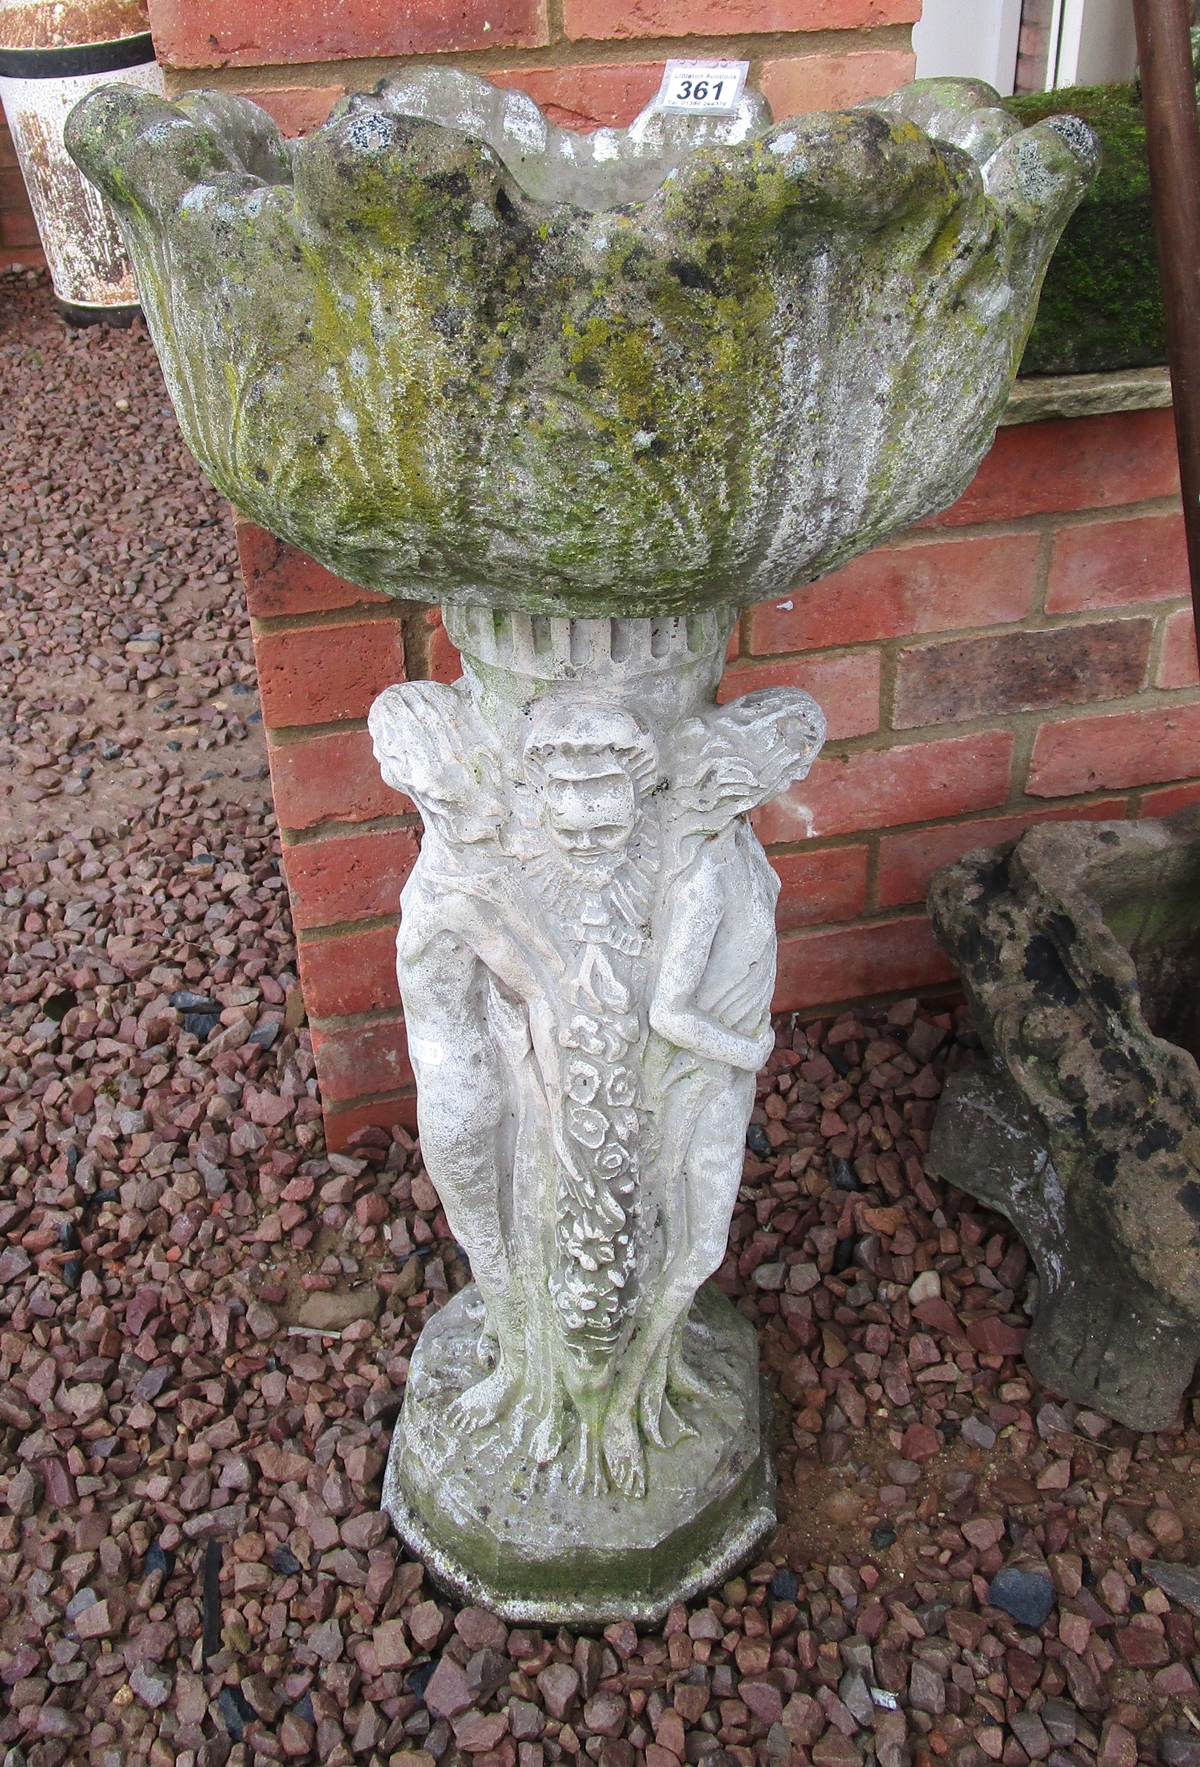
column 1008, row 39
column 1091, row 43
column 977, row 40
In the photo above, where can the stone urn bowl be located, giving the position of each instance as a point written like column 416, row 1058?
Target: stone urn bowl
column 463, row 356
column 591, row 394
column 1079, row 947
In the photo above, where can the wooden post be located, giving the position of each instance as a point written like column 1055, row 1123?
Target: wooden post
column 1173, row 148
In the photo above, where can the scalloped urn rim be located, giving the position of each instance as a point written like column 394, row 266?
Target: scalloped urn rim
column 777, row 349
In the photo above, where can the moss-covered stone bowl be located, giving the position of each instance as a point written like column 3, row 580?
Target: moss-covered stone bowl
column 459, row 355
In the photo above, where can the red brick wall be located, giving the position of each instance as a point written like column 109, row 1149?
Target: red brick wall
column 1026, row 655
column 18, row 230
column 324, row 649
column 587, row 62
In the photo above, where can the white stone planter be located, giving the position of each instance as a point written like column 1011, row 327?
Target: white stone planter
column 39, row 87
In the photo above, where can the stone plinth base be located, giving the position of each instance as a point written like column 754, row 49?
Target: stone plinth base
column 495, row 1528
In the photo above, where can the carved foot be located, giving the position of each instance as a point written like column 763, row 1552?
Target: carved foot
column 476, row 1505
column 682, row 1380
column 546, row 1443
column 586, row 1477
column 483, row 1403
column 661, row 1422
column 685, row 1383
column 623, row 1455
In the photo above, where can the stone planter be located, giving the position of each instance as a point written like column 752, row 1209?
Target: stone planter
column 591, row 394
column 1079, row 948
column 52, row 54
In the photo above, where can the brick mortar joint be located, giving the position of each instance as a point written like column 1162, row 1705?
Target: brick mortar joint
column 1158, row 641
column 293, row 839
column 1127, row 794
column 1017, row 804
column 992, row 527
column 1001, row 723
column 1023, row 805
column 340, row 1107
column 823, row 843
column 287, row 736
column 1043, row 565
column 880, row 917
column 891, row 649
column 874, row 868
column 889, row 669
column 1097, row 515
column 356, row 613
column 1039, row 623
column 870, row 917
column 346, row 929
column 1021, row 760
column 358, row 73
column 357, row 1021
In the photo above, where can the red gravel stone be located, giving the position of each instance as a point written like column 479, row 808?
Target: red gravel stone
column 1142, row 1649
column 920, row 1442
column 480, row 1630
column 447, row 1693
column 997, row 1339
column 479, row 1732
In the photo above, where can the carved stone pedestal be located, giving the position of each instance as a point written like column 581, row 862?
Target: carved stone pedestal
column 586, row 958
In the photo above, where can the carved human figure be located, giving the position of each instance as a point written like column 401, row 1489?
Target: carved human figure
column 458, row 942
column 710, row 1032
column 590, row 767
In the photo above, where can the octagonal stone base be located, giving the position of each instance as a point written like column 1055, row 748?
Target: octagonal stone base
column 496, row 1529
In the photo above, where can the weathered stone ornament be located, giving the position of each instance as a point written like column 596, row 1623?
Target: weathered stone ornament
column 1078, row 947
column 592, row 394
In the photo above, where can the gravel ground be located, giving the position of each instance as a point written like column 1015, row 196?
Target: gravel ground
column 126, row 661
column 205, row 1320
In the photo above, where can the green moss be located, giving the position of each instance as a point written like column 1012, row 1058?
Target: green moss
column 1101, row 306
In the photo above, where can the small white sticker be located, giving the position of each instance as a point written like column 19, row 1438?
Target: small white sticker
column 703, row 88
column 432, row 1054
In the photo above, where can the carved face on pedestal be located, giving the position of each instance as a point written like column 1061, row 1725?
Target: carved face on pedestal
column 590, row 814
column 592, row 767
